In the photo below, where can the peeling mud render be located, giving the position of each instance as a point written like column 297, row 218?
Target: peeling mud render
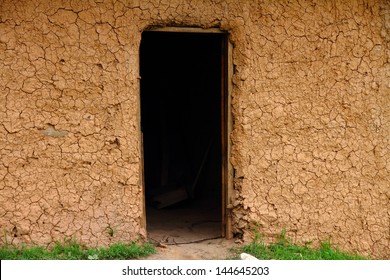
column 310, row 105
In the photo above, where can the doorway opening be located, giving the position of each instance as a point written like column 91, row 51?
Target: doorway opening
column 183, row 121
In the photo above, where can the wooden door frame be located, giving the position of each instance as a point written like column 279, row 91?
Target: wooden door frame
column 226, row 125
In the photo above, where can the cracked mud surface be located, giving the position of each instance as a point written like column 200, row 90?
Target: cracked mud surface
column 310, row 107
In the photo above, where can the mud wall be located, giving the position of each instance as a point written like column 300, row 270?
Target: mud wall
column 310, row 105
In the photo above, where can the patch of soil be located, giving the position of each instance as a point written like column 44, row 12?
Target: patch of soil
column 187, row 233
column 213, row 249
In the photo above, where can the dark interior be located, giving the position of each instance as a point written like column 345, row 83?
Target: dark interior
column 181, row 125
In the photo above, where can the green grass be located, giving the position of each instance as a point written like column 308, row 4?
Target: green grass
column 74, row 251
column 284, row 249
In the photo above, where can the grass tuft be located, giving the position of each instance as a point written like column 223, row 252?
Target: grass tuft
column 283, row 249
column 74, row 251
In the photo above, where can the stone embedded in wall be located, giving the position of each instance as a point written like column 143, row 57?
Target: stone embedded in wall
column 52, row 132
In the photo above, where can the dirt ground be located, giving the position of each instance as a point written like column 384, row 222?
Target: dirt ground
column 214, row 249
column 187, row 234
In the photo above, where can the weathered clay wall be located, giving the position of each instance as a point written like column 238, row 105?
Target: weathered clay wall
column 310, row 104
column 70, row 128
column 314, row 113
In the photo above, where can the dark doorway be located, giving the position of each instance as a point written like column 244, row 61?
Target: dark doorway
column 181, row 117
